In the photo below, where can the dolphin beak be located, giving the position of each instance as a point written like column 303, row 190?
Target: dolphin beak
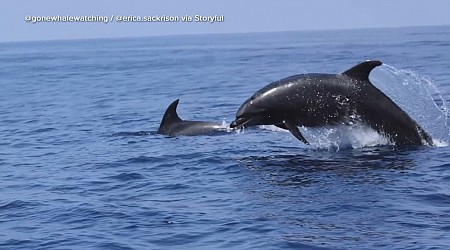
column 248, row 116
column 243, row 122
column 237, row 122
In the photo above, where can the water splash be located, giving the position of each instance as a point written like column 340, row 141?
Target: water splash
column 138, row 133
column 334, row 138
column 418, row 96
column 357, row 135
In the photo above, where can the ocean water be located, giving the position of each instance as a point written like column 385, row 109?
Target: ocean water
column 70, row 179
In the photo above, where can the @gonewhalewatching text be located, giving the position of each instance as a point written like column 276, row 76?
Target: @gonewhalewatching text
column 124, row 19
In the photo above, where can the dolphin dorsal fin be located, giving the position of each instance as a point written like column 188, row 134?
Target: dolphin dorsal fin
column 171, row 112
column 362, row 70
column 170, row 116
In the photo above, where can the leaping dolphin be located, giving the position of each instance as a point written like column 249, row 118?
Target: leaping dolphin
column 313, row 100
column 173, row 125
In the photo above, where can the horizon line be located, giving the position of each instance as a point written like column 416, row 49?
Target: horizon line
column 218, row 33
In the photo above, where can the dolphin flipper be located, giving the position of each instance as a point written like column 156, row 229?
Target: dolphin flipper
column 281, row 125
column 294, row 130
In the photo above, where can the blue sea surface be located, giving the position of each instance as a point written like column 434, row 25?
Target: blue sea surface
column 70, row 178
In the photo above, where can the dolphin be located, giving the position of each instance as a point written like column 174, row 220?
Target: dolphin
column 173, row 125
column 317, row 99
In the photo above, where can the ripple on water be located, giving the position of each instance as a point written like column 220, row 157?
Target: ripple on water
column 17, row 205
column 127, row 176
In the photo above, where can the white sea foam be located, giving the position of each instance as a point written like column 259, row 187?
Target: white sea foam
column 344, row 136
column 356, row 135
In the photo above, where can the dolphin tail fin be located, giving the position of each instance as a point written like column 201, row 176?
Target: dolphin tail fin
column 362, row 70
column 294, row 131
column 170, row 116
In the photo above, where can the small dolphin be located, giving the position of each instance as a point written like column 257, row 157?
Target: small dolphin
column 173, row 125
column 313, row 100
